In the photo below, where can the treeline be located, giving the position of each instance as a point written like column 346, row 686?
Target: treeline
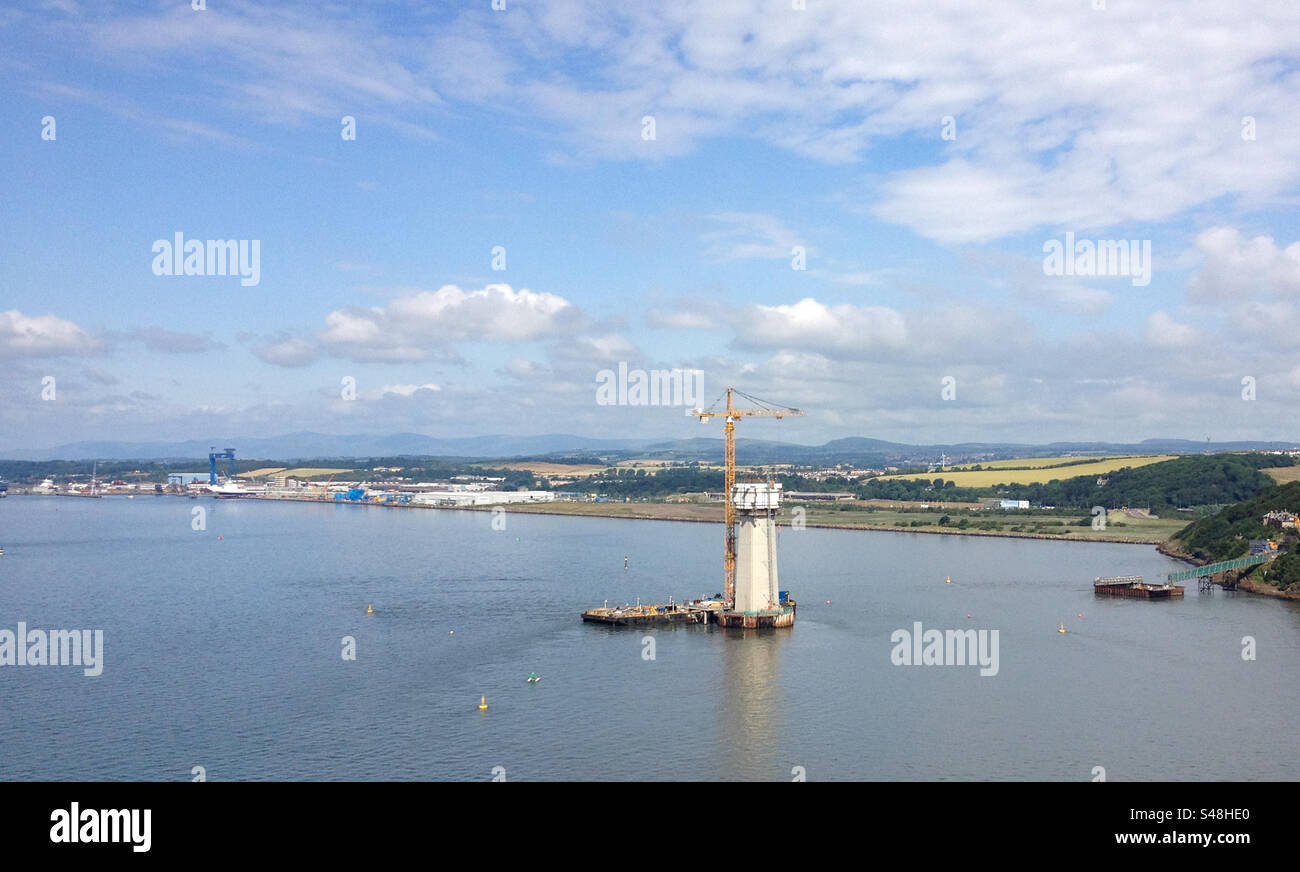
column 641, row 483
column 623, row 482
column 1194, row 480
column 1227, row 534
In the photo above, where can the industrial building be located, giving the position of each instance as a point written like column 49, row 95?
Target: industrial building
column 457, row 499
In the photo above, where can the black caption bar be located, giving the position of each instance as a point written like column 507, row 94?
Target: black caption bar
column 135, row 822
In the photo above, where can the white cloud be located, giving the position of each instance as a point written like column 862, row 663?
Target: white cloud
column 1239, row 269
column 407, row 390
column 1276, row 323
column 1066, row 115
column 680, row 319
column 407, row 328
column 1164, row 332
column 749, row 235
column 609, row 348
column 814, row 326
column 43, row 336
column 287, row 351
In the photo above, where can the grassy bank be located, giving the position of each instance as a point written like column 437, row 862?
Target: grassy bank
column 1119, row 527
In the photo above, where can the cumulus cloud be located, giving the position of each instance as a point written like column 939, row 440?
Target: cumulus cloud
column 408, row 328
column 525, row 370
column 1164, row 332
column 814, row 326
column 287, row 351
column 1236, row 268
column 407, row 390
column 43, row 336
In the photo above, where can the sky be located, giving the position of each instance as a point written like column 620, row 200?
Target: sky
column 847, row 208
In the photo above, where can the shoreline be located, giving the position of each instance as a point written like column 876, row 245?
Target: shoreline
column 810, row 524
column 1246, row 583
column 548, row 509
column 1166, row 547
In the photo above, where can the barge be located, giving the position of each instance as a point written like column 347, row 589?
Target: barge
column 1134, row 587
column 701, row 611
column 643, row 615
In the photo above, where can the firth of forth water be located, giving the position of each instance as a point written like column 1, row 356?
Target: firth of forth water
column 223, row 649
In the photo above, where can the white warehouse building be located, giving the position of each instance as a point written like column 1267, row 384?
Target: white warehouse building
column 480, row 498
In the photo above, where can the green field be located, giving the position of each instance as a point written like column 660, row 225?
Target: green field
column 1036, row 475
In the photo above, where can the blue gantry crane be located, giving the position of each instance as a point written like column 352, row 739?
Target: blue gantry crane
column 213, row 457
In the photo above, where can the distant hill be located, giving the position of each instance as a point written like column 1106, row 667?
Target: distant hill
column 310, row 445
column 854, row 450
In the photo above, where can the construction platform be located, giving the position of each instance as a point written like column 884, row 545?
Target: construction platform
column 693, row 612
column 1134, row 587
column 642, row 615
column 779, row 617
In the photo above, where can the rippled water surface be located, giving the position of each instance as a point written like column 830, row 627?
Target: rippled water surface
column 223, row 649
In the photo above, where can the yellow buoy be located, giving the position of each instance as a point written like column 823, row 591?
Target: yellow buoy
column 370, row 610
column 948, row 580
column 1061, row 629
column 482, row 703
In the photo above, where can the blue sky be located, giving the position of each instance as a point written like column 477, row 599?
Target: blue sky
column 774, row 128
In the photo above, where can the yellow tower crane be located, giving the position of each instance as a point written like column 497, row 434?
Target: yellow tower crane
column 731, row 413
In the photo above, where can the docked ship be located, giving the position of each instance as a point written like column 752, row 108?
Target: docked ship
column 231, row 490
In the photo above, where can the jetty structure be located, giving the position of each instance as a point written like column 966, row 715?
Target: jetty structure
column 751, row 596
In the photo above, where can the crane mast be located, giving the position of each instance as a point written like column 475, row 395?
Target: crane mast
column 731, row 413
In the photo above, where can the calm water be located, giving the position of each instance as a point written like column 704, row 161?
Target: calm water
column 225, row 653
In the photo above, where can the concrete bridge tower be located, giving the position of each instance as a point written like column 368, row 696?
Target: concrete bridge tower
column 757, row 587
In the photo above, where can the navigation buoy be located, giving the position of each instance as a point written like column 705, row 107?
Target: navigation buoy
column 828, row 602
column 968, row 617
column 1080, row 615
column 482, row 703
column 948, row 580
column 533, row 678
column 221, row 538
column 370, row 610
column 1061, row 629
column 451, row 632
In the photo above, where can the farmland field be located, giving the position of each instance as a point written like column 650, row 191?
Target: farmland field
column 312, row 472
column 540, row 468
column 1030, row 462
column 1040, row 475
column 300, row 472
column 257, row 473
column 1283, row 474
